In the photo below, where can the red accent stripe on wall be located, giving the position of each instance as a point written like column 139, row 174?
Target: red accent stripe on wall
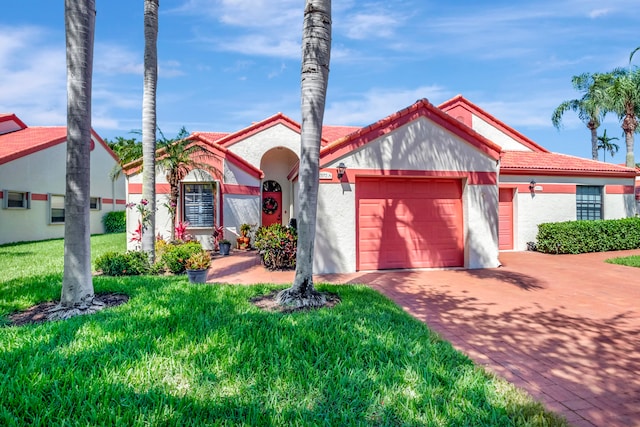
column 244, row 190
column 39, row 197
column 160, row 189
column 473, row 178
column 546, row 188
column 121, row 202
column 620, row 189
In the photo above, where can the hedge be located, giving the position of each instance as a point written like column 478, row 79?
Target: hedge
column 130, row 263
column 115, row 222
column 575, row 237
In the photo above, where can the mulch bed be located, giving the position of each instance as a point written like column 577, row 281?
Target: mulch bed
column 38, row 313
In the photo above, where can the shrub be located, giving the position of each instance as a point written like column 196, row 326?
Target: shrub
column 199, row 261
column 131, row 263
column 114, row 222
column 277, row 246
column 175, row 256
column 575, row 237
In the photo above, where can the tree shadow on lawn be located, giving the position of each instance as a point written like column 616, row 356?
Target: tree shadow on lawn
column 188, row 355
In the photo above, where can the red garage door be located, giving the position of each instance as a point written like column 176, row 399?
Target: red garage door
column 505, row 219
column 409, row 223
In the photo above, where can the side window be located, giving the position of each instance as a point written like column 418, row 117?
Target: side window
column 56, row 209
column 16, row 199
column 588, row 202
column 95, row 203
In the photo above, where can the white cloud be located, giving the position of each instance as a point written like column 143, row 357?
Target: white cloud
column 261, row 45
column 116, row 59
column 278, row 72
column 596, row 13
column 367, row 108
column 365, row 26
column 33, row 83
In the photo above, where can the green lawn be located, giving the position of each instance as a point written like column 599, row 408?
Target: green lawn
column 631, row 261
column 191, row 355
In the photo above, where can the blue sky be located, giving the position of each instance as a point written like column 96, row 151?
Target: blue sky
column 227, row 63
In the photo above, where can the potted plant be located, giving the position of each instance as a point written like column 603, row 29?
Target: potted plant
column 216, row 236
column 197, row 266
column 244, row 239
column 225, row 246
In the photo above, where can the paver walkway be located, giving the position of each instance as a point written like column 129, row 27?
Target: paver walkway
column 566, row 328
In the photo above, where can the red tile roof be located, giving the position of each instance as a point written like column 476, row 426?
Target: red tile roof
column 332, row 133
column 212, row 136
column 541, row 163
column 30, row 140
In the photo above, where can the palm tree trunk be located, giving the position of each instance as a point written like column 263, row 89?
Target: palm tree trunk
column 629, row 125
column 174, row 184
column 594, row 142
column 149, row 122
column 77, row 284
column 316, row 52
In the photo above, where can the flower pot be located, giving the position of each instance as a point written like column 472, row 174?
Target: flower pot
column 224, row 248
column 243, row 242
column 197, row 276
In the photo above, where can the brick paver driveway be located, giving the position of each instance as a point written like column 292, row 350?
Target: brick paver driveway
column 564, row 327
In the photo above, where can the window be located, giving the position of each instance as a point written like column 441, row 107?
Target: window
column 95, row 203
column 588, row 202
column 199, row 206
column 16, row 199
column 56, row 209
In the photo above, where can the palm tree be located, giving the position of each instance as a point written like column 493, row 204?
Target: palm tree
column 591, row 107
column 316, row 53
column 624, row 99
column 177, row 157
column 605, row 144
column 149, row 122
column 77, row 285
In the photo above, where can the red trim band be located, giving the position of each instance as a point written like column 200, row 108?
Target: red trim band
column 244, row 190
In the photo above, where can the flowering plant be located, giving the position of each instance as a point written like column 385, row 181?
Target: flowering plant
column 136, row 236
column 144, row 210
column 171, row 208
column 181, row 231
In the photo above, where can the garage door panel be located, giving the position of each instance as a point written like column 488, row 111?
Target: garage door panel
column 505, row 219
column 420, row 223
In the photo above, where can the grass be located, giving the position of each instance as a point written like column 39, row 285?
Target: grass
column 631, row 261
column 179, row 354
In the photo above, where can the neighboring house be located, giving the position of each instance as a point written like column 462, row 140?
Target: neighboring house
column 428, row 186
column 33, row 180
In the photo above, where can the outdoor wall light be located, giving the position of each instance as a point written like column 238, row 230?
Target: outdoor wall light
column 341, row 170
column 532, row 185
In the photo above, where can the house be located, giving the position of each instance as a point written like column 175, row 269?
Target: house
column 446, row 186
column 33, row 180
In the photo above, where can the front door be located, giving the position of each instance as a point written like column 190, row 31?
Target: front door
column 271, row 203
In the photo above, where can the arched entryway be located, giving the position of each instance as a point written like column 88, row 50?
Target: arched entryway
column 277, row 191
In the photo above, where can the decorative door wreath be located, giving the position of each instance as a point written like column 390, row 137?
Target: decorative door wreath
column 269, row 205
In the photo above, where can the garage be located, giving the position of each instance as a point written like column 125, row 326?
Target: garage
column 409, row 223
